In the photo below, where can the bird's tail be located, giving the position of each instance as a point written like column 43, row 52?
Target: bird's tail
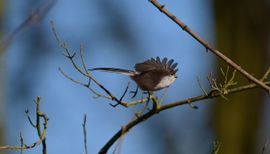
column 114, row 70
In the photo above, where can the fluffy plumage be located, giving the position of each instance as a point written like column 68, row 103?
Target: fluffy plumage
column 150, row 75
column 157, row 64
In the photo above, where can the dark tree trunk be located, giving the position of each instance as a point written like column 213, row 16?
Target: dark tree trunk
column 242, row 30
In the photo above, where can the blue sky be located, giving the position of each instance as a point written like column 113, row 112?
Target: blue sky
column 143, row 33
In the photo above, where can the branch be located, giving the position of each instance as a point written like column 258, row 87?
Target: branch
column 208, row 47
column 156, row 109
column 35, row 17
column 217, row 145
column 37, row 126
column 85, row 134
column 84, row 71
column 265, row 146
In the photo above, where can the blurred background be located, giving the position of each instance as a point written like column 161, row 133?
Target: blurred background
column 120, row 34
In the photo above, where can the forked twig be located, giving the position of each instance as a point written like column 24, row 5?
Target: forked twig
column 85, row 71
column 216, row 147
column 222, row 88
column 41, row 132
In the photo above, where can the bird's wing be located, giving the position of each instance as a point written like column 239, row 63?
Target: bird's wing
column 157, row 64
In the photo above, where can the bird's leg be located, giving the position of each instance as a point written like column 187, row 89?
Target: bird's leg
column 149, row 95
column 147, row 101
column 142, row 97
column 134, row 92
column 145, row 107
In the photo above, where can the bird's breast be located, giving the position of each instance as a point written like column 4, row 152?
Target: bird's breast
column 165, row 82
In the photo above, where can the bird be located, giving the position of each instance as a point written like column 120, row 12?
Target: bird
column 151, row 75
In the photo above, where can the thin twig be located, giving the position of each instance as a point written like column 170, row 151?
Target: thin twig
column 200, row 85
column 38, row 124
column 222, row 87
column 97, row 94
column 29, row 118
column 208, row 47
column 216, row 148
column 135, row 102
column 85, row 134
column 78, row 69
column 266, row 74
column 82, row 59
column 22, row 143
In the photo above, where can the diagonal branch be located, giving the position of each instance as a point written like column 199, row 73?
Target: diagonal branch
column 124, row 129
column 35, row 17
column 207, row 46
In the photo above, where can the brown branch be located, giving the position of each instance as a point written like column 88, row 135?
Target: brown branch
column 83, row 71
column 207, row 46
column 85, row 134
column 266, row 74
column 35, row 17
column 37, row 126
column 156, row 109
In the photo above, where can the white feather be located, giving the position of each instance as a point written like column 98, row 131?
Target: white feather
column 165, row 82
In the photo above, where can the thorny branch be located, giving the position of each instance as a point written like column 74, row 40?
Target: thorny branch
column 162, row 9
column 41, row 132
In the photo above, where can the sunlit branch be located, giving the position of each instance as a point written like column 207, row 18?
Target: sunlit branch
column 209, row 47
column 41, row 131
column 157, row 109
